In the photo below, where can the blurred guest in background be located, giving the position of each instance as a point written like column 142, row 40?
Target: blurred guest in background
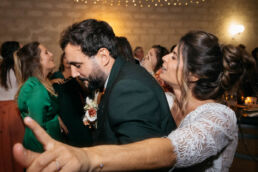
column 71, row 99
column 9, row 84
column 1, row 58
column 255, row 55
column 11, row 124
column 63, row 73
column 152, row 62
column 248, row 87
column 36, row 97
column 138, row 54
column 124, row 49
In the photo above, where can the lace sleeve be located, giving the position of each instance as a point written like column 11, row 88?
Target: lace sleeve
column 202, row 135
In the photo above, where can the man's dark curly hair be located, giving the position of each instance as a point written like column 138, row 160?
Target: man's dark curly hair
column 90, row 35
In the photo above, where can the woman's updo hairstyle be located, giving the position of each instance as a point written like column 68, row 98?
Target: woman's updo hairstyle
column 218, row 68
column 237, row 65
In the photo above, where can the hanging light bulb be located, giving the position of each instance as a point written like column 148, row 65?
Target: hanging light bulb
column 142, row 3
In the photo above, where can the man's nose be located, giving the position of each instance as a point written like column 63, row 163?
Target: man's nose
column 74, row 71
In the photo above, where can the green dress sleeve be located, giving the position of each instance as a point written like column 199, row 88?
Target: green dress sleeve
column 35, row 101
column 38, row 103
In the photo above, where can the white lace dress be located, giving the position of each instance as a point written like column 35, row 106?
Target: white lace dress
column 206, row 139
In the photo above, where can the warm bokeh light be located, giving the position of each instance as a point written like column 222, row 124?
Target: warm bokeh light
column 113, row 19
column 141, row 3
column 250, row 100
column 235, row 29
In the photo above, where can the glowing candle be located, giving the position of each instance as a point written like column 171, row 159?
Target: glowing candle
column 250, row 100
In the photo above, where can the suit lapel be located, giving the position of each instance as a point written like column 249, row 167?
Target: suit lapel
column 102, row 110
column 115, row 72
column 112, row 78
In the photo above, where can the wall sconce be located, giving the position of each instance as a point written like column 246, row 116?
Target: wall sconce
column 236, row 29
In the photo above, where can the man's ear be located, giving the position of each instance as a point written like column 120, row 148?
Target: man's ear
column 104, row 56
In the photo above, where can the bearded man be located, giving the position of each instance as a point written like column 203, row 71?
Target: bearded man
column 134, row 107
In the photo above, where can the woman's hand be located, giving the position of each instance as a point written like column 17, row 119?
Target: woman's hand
column 147, row 154
column 147, row 64
column 57, row 156
column 57, row 81
column 63, row 126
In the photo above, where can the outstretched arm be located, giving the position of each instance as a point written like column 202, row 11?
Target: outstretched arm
column 148, row 154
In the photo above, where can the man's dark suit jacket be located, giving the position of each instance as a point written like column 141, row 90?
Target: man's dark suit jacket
column 70, row 100
column 133, row 108
column 136, row 61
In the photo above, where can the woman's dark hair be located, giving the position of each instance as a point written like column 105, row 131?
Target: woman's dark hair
column 160, row 52
column 29, row 56
column 7, row 50
column 217, row 68
column 30, row 66
column 61, row 66
column 90, row 35
column 254, row 53
column 172, row 48
column 124, row 49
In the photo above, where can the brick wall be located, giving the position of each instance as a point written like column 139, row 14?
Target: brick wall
column 44, row 20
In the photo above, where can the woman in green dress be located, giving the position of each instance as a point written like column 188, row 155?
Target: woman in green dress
column 36, row 97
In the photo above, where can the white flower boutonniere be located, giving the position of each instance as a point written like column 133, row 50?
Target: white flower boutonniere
column 91, row 107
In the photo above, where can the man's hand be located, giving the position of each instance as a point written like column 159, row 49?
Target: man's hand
column 57, row 156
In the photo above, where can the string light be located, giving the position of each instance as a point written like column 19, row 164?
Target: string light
column 142, row 3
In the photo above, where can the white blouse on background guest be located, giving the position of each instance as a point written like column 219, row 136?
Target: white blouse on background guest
column 12, row 85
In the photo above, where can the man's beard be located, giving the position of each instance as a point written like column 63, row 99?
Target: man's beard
column 96, row 80
column 96, row 83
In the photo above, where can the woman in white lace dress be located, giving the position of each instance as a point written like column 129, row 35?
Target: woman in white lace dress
column 200, row 71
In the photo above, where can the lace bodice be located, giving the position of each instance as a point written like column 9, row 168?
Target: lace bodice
column 207, row 137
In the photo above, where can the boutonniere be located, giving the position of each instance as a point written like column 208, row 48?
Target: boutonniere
column 91, row 108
